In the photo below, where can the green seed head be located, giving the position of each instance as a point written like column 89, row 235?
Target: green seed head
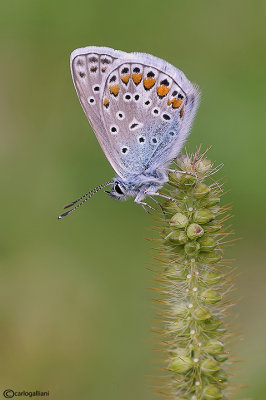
column 194, row 231
column 212, row 392
column 221, row 357
column 178, row 326
column 201, row 190
column 201, row 313
column 192, row 248
column 179, row 310
column 171, row 207
column 210, row 296
column 178, row 237
column 214, row 346
column 175, row 177
column 193, row 283
column 188, row 180
column 210, row 257
column 211, row 277
column 179, row 221
column 181, row 364
column 212, row 323
column 207, row 243
column 185, row 163
column 213, row 226
column 202, row 216
column 210, row 366
column 203, row 165
column 176, row 274
column 210, row 201
column 222, row 377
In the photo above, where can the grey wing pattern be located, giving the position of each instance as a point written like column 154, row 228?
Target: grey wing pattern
column 147, row 108
column 89, row 68
column 139, row 106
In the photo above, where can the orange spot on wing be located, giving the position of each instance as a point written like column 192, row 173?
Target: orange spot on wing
column 176, row 103
column 182, row 112
column 106, row 102
column 114, row 89
column 136, row 78
column 162, row 90
column 149, row 82
column 125, row 78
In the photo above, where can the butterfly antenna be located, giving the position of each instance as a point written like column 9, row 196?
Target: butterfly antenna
column 86, row 197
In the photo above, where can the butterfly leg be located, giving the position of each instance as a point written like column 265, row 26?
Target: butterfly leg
column 161, row 195
column 157, row 202
column 181, row 172
column 144, row 205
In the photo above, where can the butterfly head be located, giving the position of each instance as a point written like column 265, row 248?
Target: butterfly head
column 136, row 185
column 119, row 190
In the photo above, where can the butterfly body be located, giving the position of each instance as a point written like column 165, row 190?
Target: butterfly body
column 138, row 186
column 141, row 109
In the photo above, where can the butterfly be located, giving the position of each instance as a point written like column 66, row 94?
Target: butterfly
column 141, row 109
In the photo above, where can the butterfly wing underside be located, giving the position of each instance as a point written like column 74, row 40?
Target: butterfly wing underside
column 139, row 106
column 89, row 68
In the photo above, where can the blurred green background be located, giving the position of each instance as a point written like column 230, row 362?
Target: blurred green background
column 75, row 311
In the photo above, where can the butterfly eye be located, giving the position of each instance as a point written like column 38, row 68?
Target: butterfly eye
column 118, row 189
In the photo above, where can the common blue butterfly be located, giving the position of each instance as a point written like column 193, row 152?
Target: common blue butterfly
column 141, row 109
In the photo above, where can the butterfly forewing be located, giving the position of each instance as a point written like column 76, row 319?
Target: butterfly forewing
column 89, row 67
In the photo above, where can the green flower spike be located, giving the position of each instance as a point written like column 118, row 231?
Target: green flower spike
column 194, row 284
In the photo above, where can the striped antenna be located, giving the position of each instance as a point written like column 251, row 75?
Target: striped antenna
column 86, row 197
